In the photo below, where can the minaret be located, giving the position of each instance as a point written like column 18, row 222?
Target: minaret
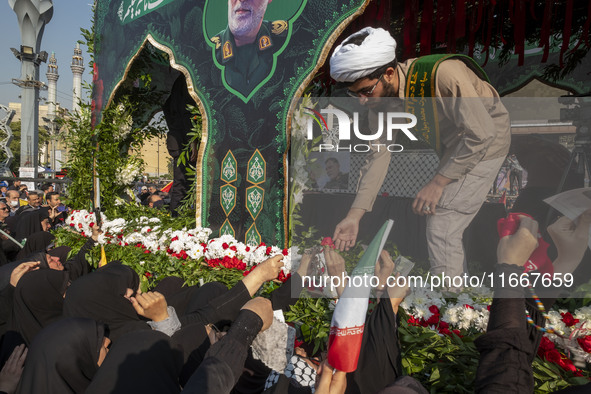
column 77, row 70
column 52, row 77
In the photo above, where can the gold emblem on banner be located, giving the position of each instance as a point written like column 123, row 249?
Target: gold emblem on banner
column 264, row 42
column 216, row 41
column 279, row 27
column 228, row 53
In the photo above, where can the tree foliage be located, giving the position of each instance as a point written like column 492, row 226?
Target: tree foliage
column 111, row 148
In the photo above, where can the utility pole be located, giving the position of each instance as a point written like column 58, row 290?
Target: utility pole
column 32, row 17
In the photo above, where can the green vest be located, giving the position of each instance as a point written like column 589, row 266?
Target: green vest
column 420, row 84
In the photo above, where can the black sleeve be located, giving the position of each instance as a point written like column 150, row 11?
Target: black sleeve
column 287, row 294
column 224, row 361
column 78, row 266
column 6, row 297
column 510, row 343
column 223, row 308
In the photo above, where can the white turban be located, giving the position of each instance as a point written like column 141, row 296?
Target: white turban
column 350, row 62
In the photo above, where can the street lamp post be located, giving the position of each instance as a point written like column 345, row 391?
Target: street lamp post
column 32, row 17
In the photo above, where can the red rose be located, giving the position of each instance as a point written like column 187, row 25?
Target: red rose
column 91, row 225
column 433, row 320
column 566, row 364
column 568, row 319
column 443, row 325
column 282, row 277
column 248, row 248
column 285, row 252
column 233, row 248
column 327, row 241
column 585, row 343
column 413, row 321
column 445, row 331
column 268, row 251
column 225, row 246
column 148, row 275
column 545, row 345
column 146, row 251
column 433, row 309
column 553, row 356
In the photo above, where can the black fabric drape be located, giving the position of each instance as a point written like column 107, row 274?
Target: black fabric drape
column 36, row 242
column 63, row 358
column 224, row 361
column 6, row 270
column 213, row 304
column 510, row 344
column 141, row 362
column 100, row 296
column 38, row 302
column 30, row 223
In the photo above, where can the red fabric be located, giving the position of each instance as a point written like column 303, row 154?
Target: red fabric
column 545, row 33
column 539, row 259
column 345, row 345
column 426, row 27
column 460, row 17
column 166, row 189
column 410, row 29
column 443, row 14
column 518, row 19
column 382, row 8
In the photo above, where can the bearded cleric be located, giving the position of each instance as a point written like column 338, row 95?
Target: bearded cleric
column 469, row 129
column 246, row 47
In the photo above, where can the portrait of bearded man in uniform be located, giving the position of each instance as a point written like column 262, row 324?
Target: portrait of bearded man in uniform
column 246, row 47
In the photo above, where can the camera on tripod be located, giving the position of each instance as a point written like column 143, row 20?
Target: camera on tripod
column 580, row 111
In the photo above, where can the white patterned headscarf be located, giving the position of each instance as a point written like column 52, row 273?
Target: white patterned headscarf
column 350, row 62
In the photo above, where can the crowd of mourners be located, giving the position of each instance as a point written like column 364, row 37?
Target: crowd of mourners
column 68, row 328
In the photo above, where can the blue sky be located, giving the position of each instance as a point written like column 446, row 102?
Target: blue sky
column 60, row 36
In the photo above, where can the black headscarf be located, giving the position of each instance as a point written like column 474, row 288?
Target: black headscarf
column 63, row 357
column 38, row 301
column 141, row 362
column 100, row 296
column 6, row 270
column 62, row 252
column 37, row 242
column 30, row 223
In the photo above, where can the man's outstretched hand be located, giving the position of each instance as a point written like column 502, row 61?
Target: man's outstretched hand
column 345, row 234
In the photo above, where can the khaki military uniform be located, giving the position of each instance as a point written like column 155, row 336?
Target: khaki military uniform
column 476, row 135
column 247, row 65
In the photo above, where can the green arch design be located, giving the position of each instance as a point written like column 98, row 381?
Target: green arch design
column 222, row 68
